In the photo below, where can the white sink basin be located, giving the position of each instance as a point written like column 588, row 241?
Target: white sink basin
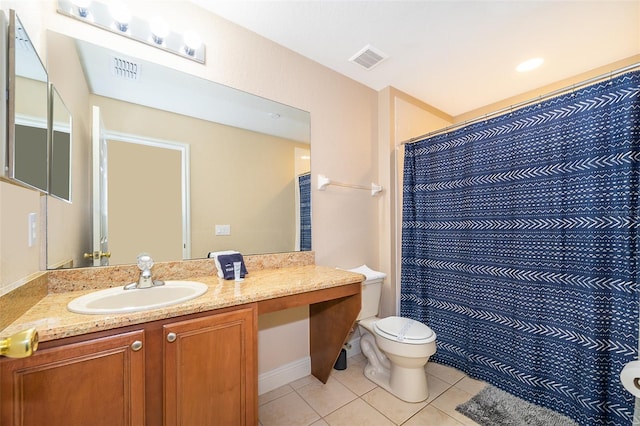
column 117, row 300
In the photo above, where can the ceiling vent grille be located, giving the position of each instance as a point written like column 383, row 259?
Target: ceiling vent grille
column 124, row 68
column 369, row 57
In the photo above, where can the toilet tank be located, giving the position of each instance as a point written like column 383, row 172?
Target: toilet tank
column 371, row 290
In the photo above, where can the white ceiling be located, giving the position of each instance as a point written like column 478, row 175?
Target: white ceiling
column 454, row 55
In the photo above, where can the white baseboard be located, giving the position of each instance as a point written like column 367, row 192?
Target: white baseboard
column 284, row 374
column 295, row 370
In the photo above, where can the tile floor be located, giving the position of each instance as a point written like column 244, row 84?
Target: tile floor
column 349, row 398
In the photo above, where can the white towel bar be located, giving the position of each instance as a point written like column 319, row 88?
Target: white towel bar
column 324, row 181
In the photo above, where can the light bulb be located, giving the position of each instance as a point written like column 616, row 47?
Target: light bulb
column 159, row 29
column 83, row 7
column 120, row 14
column 191, row 42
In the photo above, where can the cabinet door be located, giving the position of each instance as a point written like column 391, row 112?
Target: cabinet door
column 210, row 370
column 95, row 382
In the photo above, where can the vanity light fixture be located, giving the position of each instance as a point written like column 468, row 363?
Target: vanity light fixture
column 529, row 64
column 115, row 17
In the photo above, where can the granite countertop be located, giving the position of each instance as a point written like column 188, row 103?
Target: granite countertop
column 53, row 321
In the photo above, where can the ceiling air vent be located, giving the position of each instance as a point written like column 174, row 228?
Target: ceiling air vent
column 368, row 57
column 125, row 68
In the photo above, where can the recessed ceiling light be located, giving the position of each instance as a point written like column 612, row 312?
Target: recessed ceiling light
column 529, row 64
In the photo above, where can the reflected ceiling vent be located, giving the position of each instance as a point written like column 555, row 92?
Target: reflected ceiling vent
column 369, row 57
column 124, row 68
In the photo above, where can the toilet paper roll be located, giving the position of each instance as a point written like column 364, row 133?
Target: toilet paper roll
column 630, row 378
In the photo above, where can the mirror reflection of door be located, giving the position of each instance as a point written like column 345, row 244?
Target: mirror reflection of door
column 140, row 197
column 145, row 201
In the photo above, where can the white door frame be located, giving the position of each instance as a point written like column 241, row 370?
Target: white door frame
column 183, row 148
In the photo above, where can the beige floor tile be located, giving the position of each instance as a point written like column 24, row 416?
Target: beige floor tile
column 357, row 413
column 326, row 398
column 470, row 385
column 436, row 387
column 274, row 394
column 288, row 410
column 353, row 377
column 297, row 384
column 448, row 402
column 430, row 415
column 444, row 372
column 320, row 422
column 392, row 407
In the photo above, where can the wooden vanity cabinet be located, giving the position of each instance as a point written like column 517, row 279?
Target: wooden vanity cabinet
column 99, row 381
column 210, row 370
column 198, row 369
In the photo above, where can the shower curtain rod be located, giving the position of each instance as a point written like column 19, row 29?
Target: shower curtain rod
column 513, row 107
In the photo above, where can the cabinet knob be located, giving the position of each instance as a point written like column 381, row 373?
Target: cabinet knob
column 136, row 346
column 171, row 337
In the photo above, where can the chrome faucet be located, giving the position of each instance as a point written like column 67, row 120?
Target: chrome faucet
column 145, row 263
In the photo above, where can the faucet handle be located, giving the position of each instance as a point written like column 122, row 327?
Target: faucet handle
column 145, row 262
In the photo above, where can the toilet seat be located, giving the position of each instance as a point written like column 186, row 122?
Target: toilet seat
column 404, row 330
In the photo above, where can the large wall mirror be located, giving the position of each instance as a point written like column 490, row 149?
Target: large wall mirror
column 186, row 166
column 27, row 111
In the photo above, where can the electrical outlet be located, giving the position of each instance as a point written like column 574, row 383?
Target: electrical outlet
column 33, row 229
column 223, row 229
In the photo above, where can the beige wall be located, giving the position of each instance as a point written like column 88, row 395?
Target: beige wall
column 17, row 260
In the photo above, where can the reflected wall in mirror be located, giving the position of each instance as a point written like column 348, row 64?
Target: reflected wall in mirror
column 60, row 156
column 27, row 111
column 245, row 156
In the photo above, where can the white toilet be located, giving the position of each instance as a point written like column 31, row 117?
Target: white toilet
column 397, row 348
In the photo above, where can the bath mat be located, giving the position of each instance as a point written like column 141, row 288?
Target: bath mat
column 495, row 407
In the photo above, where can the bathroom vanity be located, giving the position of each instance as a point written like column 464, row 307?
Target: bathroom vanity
column 189, row 364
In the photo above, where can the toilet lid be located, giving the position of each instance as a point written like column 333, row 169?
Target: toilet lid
column 404, row 330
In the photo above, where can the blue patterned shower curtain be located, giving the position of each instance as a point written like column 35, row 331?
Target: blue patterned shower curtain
column 304, row 184
column 520, row 248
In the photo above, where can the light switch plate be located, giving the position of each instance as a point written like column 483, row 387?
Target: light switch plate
column 223, row 229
